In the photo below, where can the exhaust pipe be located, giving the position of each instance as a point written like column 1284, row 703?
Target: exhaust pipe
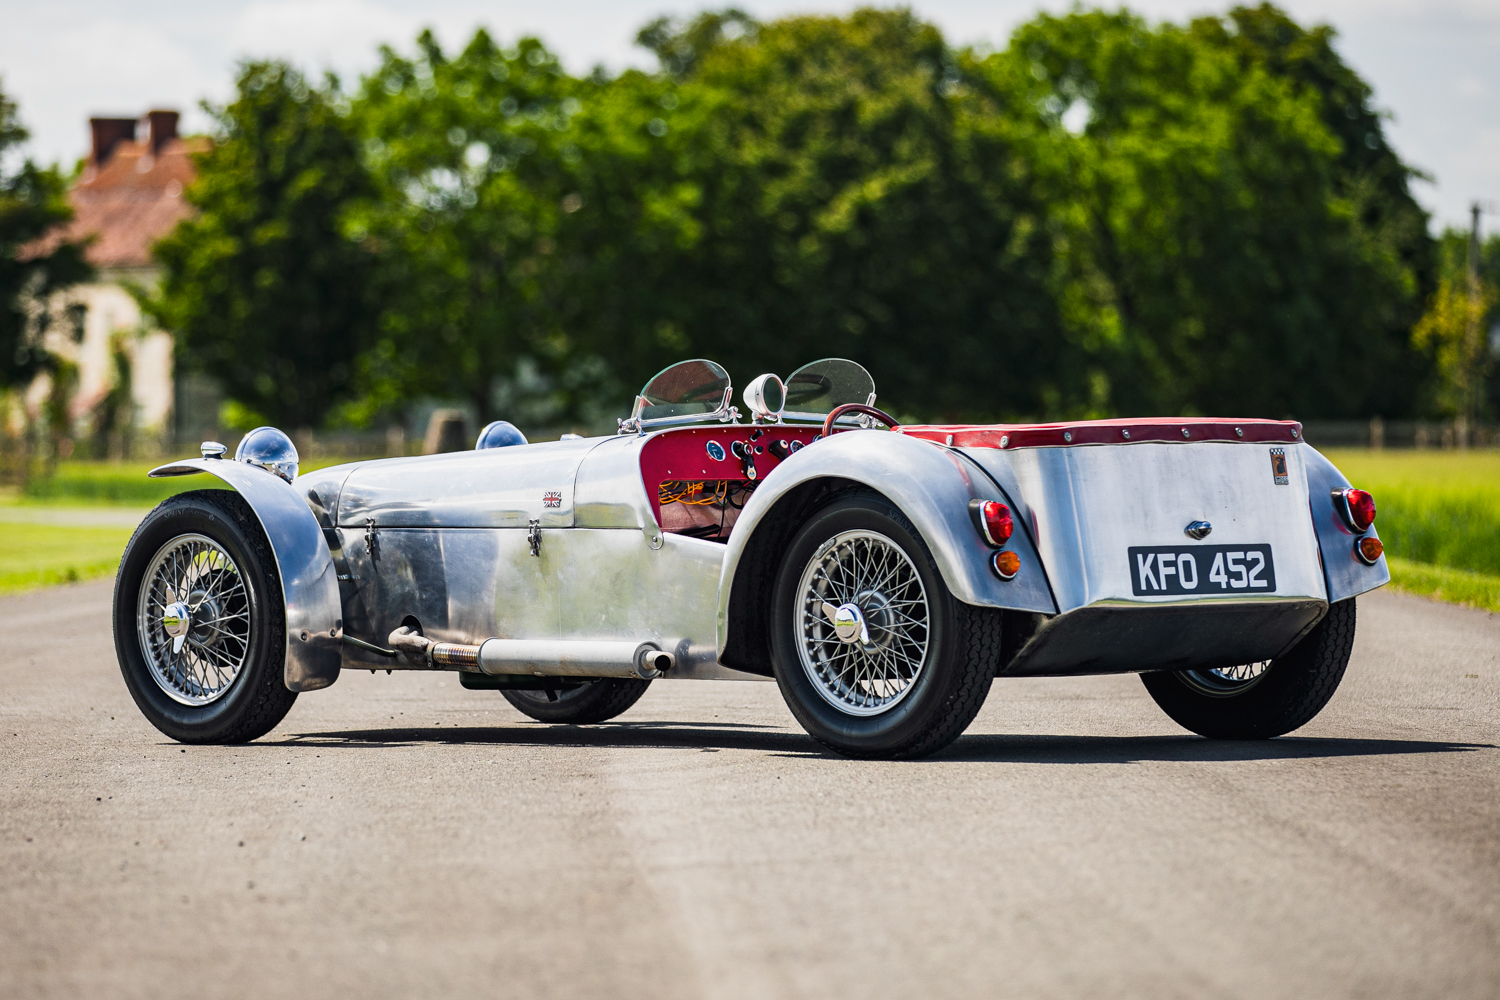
column 538, row 657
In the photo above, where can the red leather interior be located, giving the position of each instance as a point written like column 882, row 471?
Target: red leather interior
column 682, row 455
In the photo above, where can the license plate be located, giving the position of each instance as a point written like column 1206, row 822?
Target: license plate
column 1201, row 569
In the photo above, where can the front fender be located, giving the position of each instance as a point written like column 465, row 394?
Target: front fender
column 309, row 583
column 931, row 484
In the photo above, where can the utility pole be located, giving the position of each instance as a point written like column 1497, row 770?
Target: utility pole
column 1476, row 347
column 1473, row 386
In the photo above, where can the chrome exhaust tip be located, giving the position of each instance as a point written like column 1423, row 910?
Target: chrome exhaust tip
column 653, row 662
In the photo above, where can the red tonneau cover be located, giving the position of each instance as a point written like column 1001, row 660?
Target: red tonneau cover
column 1124, row 431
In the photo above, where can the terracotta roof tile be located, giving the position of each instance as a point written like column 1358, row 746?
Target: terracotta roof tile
column 132, row 201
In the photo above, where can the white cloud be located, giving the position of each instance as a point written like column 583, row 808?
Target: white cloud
column 64, row 70
column 1470, row 85
column 338, row 34
column 1434, row 63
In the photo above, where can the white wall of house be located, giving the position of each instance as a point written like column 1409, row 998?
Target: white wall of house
column 110, row 308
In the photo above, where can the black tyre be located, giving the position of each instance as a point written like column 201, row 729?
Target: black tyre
column 912, row 671
column 1261, row 700
column 594, row 701
column 200, row 627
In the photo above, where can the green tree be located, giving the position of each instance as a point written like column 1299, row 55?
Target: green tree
column 33, row 264
column 846, row 186
column 1224, row 235
column 264, row 289
column 1465, row 382
column 474, row 158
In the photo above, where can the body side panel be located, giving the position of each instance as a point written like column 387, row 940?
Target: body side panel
column 492, row 488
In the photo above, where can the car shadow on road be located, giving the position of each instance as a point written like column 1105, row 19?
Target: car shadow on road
column 977, row 748
column 655, row 735
column 1136, row 749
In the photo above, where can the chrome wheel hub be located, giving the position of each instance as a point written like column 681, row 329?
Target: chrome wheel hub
column 193, row 618
column 848, row 622
column 176, row 621
column 864, row 622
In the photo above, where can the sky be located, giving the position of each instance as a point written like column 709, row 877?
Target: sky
column 1434, row 64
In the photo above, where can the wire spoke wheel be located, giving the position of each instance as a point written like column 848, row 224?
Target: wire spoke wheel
column 1226, row 682
column 193, row 617
column 879, row 666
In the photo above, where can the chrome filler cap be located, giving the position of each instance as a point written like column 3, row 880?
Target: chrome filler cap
column 1198, row 530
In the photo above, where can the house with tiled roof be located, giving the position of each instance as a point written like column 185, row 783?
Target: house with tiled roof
column 129, row 195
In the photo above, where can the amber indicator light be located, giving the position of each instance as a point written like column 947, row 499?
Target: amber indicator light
column 1007, row 564
column 1368, row 549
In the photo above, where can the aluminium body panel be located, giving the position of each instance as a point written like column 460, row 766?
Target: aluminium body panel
column 492, row 488
column 1346, row 575
column 321, row 489
column 460, row 584
column 609, row 491
column 1087, row 505
column 466, row 585
column 616, row 585
column 308, row 579
column 604, row 570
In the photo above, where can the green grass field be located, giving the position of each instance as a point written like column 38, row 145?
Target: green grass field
column 39, row 555
column 1439, row 517
column 126, row 483
column 111, row 483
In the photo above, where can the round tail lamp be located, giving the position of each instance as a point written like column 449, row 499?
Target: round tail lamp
column 1357, row 507
column 994, row 521
column 1007, row 564
column 1368, row 549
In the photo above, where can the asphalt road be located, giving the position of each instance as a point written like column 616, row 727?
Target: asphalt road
column 399, row 836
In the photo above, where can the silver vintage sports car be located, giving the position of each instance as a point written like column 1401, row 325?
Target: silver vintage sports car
column 883, row 575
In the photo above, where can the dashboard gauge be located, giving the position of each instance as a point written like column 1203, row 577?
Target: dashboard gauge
column 715, row 451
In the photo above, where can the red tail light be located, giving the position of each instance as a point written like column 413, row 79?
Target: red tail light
column 1007, row 564
column 1357, row 508
column 1368, row 549
column 993, row 520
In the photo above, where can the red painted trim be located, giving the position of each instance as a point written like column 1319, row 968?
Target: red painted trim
column 682, row 454
column 1125, row 431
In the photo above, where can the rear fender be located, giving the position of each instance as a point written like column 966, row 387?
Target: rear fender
column 309, row 582
column 931, row 484
column 1345, row 574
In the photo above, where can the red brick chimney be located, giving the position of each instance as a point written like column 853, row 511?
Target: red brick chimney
column 163, row 129
column 107, row 133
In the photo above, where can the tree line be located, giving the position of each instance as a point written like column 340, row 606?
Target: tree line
column 1105, row 217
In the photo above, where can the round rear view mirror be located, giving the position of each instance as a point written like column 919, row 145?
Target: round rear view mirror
column 765, row 397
